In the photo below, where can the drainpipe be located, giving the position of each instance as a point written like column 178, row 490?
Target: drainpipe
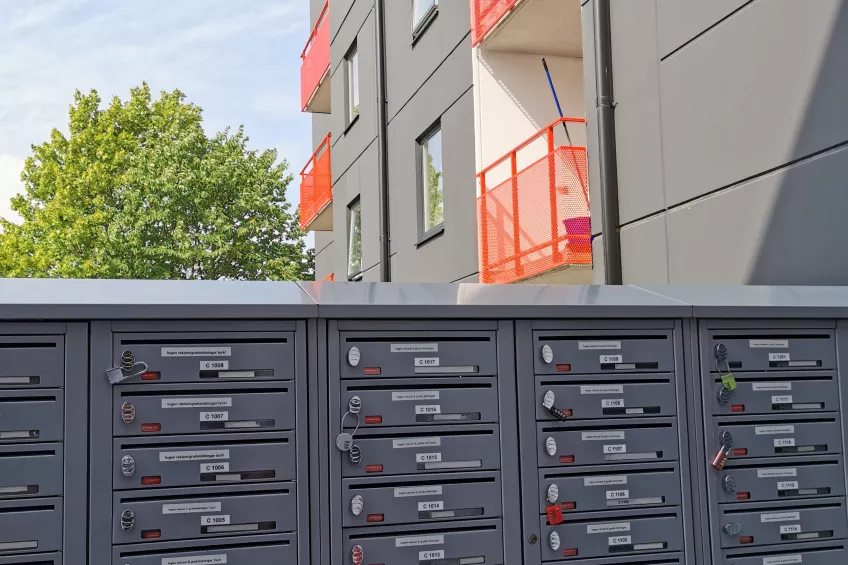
column 605, row 106
column 382, row 143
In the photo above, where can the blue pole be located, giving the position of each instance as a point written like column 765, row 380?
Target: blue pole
column 556, row 98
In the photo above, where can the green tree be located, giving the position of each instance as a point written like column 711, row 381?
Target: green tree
column 138, row 190
column 435, row 203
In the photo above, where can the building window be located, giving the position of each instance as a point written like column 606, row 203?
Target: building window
column 352, row 80
column 422, row 13
column 354, row 240
column 430, row 181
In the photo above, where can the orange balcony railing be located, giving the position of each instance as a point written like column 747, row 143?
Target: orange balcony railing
column 316, row 191
column 315, row 66
column 485, row 15
column 329, row 278
column 537, row 219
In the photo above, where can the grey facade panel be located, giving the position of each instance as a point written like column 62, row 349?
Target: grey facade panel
column 644, row 251
column 682, row 20
column 637, row 113
column 409, row 65
column 315, row 7
column 341, row 11
column 322, row 124
column 598, row 273
column 734, row 107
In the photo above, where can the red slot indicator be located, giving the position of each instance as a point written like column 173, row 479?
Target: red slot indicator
column 150, row 376
column 373, row 419
column 375, row 517
column 566, row 459
column 372, row 370
column 568, row 505
column 737, row 407
column 740, row 451
column 563, row 367
column 746, row 539
column 151, row 481
column 569, row 552
column 151, row 534
column 373, row 468
column 151, row 428
column 743, row 495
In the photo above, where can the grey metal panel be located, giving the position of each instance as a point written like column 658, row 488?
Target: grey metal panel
column 776, row 523
column 599, row 489
column 803, row 115
column 461, row 543
column 221, row 408
column 54, row 558
column 32, row 361
column 681, row 21
column 650, row 558
column 774, row 349
column 597, row 396
column 204, row 513
column 76, row 516
column 30, row 416
column 410, row 402
column 191, row 461
column 637, row 115
column 780, row 480
column 347, row 13
column 644, row 251
column 277, row 549
column 31, row 525
column 609, row 534
column 777, row 393
column 31, row 470
column 100, row 447
column 303, row 490
column 807, row 553
column 784, row 436
column 446, row 497
column 610, row 351
column 210, row 357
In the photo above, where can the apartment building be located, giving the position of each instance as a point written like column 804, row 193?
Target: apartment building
column 482, row 181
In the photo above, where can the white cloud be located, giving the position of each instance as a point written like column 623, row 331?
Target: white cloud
column 10, row 184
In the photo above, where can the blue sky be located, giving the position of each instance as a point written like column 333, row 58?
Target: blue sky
column 237, row 59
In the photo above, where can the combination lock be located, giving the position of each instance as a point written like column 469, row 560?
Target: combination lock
column 548, row 403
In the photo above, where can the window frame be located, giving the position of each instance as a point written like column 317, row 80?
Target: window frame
column 352, row 85
column 419, row 27
column 425, row 235
column 356, row 203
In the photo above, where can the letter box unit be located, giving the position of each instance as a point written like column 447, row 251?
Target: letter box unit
column 271, row 549
column 758, row 437
column 582, row 352
column 776, row 350
column 806, row 554
column 783, row 523
column 32, row 470
column 31, row 525
column 29, row 416
column 32, row 361
column 778, row 393
column 599, row 397
column 758, row 482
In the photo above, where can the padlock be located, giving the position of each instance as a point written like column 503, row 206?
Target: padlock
column 720, row 459
column 357, row 504
column 547, row 354
column 127, row 465
column 548, row 403
column 554, row 513
column 344, row 441
column 127, row 519
column 728, row 483
column 553, row 493
column 553, row 541
column 728, row 381
column 353, row 356
column 732, row 528
column 551, row 446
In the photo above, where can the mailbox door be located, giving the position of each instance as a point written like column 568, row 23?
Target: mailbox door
column 31, row 470
column 280, row 550
column 785, row 438
column 30, row 525
column 778, row 393
column 600, row 397
column 32, row 361
column 790, row 481
column 583, row 352
column 787, row 524
column 776, row 350
column 28, row 416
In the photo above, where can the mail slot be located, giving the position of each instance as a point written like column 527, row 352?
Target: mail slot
column 764, row 350
column 625, row 396
column 582, row 536
column 381, row 501
column 176, row 514
column 205, row 357
column 52, row 558
column 417, row 354
column 779, row 438
column 186, row 461
column 481, row 543
column 636, row 351
column 777, row 393
column 231, row 408
column 279, row 549
column 32, row 361
column 32, row 416
column 440, row 401
column 789, row 481
column 31, row 470
column 807, row 554
column 777, row 524
column 595, row 489
column 651, row 439
column 31, row 525
column 398, row 451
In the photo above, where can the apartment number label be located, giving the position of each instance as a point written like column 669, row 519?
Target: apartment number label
column 612, row 403
column 777, row 473
column 784, row 442
column 180, row 456
column 611, row 528
column 419, row 540
column 763, row 387
column 418, row 491
column 191, row 508
column 618, row 448
column 768, row 343
column 598, row 345
column 605, row 481
column 783, row 399
column 617, row 494
column 431, row 555
column 428, row 409
column 774, row 430
column 783, row 560
column 426, row 361
column 601, row 436
column 612, row 359
column 602, row 389
column 780, row 517
column 428, row 457
column 214, row 365
column 220, row 559
column 791, row 529
column 430, row 505
column 778, row 356
column 414, row 347
column 214, row 416
column 620, row 540
column 222, row 402
column 416, row 442
column 219, row 520
column 787, row 485
column 214, row 467
column 415, row 395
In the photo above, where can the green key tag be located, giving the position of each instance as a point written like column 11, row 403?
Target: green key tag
column 728, row 381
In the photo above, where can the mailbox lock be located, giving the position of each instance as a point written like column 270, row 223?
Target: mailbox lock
column 357, row 555
column 353, row 356
column 553, row 539
column 128, row 369
column 547, row 354
column 127, row 466
column 732, row 528
column 551, row 446
column 726, row 440
column 127, row 412
column 127, row 519
column 728, row 483
column 356, row 505
column 553, row 493
column 723, row 395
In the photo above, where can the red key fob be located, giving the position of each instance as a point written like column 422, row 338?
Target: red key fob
column 554, row 514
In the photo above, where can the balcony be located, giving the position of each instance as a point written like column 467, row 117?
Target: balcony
column 545, row 27
column 316, row 191
column 315, row 67
column 538, row 218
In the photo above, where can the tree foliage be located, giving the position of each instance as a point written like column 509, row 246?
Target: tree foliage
column 138, row 190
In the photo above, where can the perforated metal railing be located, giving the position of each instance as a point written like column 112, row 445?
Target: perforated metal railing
column 537, row 219
column 316, row 184
column 485, row 15
column 315, row 58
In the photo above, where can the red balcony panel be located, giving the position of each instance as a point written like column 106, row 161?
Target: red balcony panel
column 485, row 15
column 537, row 219
column 316, row 190
column 315, row 66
